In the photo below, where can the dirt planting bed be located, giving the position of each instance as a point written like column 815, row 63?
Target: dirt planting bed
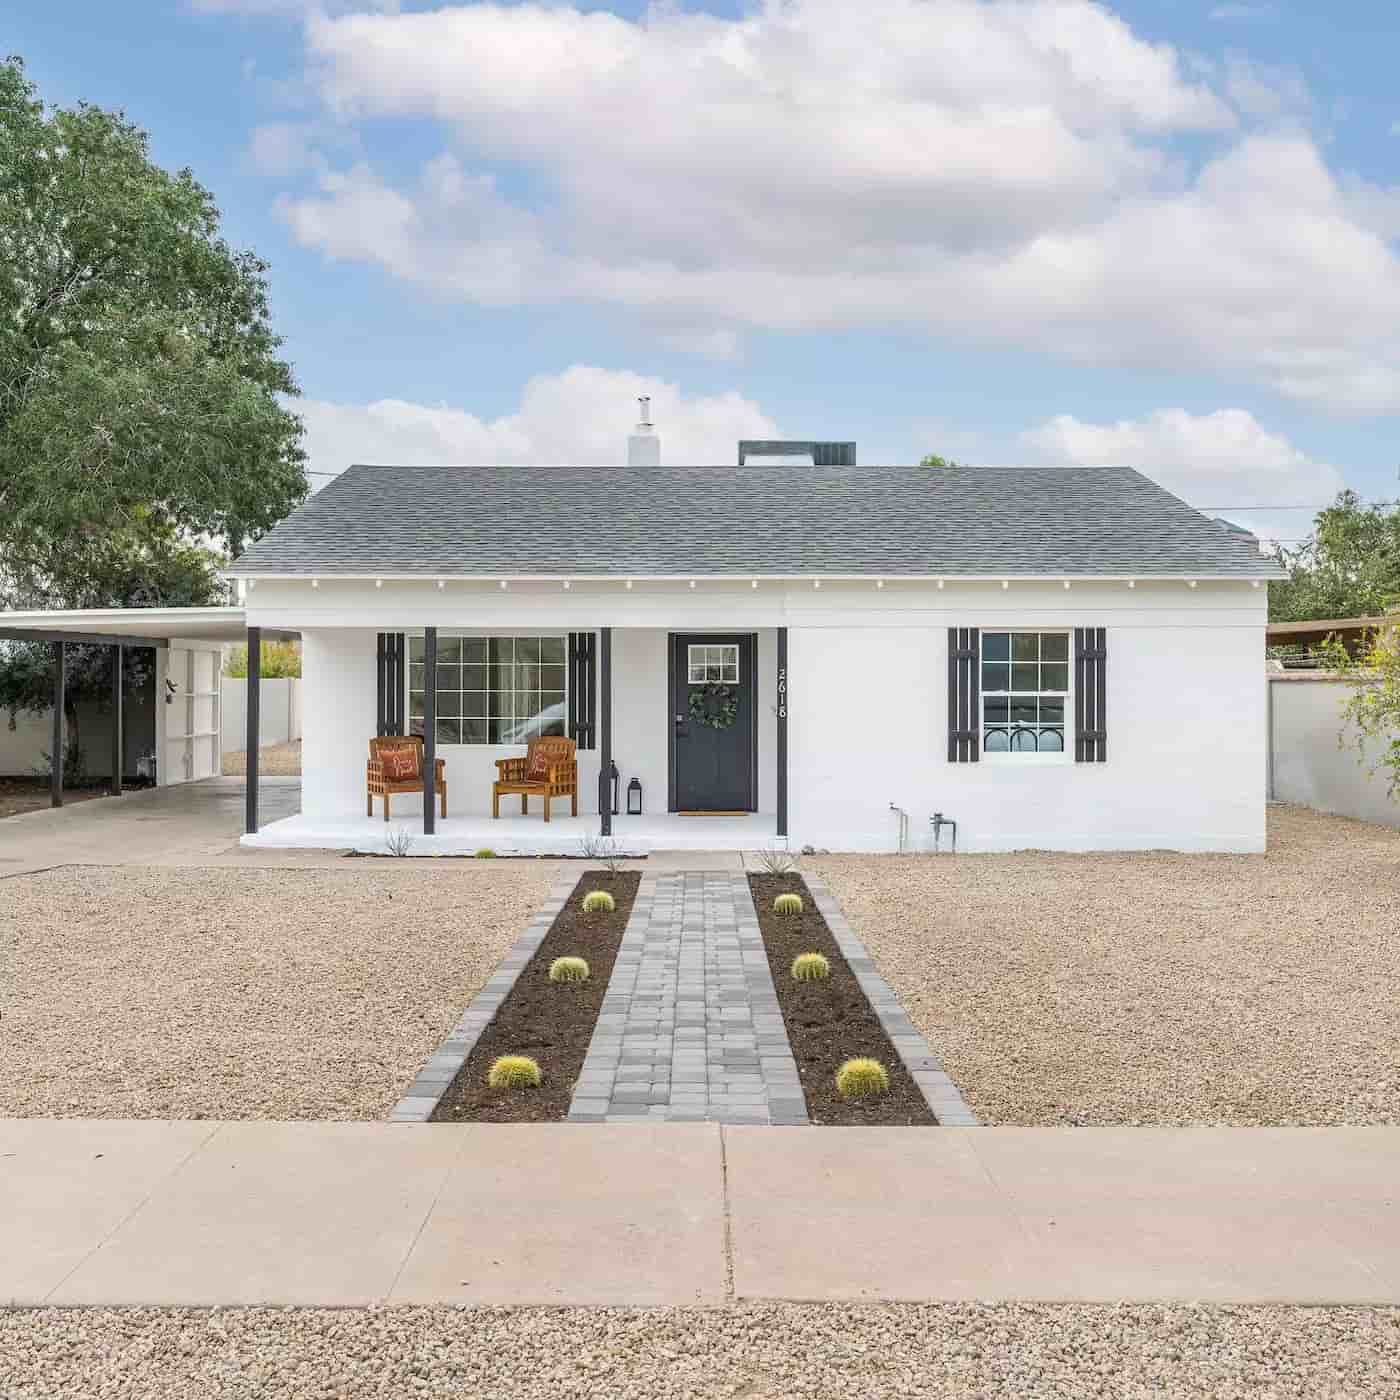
column 32, row 795
column 552, row 1022
column 829, row 1021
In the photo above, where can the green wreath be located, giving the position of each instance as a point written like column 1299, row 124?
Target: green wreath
column 715, row 706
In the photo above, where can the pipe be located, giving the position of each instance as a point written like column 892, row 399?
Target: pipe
column 938, row 821
column 903, row 827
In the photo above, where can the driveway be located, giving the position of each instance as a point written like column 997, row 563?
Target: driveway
column 189, row 824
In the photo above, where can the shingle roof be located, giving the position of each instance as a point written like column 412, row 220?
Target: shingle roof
column 768, row 520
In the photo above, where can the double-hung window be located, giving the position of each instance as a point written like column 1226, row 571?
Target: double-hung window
column 1027, row 707
column 493, row 690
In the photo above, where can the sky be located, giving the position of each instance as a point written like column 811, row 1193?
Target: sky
column 1159, row 233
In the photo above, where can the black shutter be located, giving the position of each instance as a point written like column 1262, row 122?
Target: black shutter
column 1090, row 695
column 583, row 689
column 389, row 657
column 964, row 708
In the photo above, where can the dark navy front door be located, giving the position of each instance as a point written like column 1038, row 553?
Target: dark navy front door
column 712, row 764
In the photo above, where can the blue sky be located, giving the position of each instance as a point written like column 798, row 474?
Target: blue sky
column 1164, row 232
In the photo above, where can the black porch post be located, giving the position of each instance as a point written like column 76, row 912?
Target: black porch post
column 60, row 680
column 605, row 754
column 782, row 745
column 250, row 822
column 429, row 726
column 116, row 788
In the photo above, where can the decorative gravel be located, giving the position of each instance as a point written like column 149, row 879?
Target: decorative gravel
column 276, row 760
column 769, row 1352
column 143, row 992
column 1155, row 988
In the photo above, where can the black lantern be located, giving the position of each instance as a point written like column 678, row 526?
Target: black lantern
column 607, row 787
column 634, row 798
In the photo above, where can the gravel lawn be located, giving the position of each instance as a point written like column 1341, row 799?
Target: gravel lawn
column 144, row 992
column 274, row 761
column 761, row 1352
column 1154, row 988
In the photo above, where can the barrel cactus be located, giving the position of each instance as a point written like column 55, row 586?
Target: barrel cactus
column 568, row 970
column 810, row 967
column 598, row 902
column 788, row 904
column 860, row 1078
column 514, row 1072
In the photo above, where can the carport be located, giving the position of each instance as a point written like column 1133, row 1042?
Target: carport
column 188, row 643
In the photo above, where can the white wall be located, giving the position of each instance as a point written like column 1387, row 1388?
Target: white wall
column 868, row 677
column 279, row 711
column 1309, row 766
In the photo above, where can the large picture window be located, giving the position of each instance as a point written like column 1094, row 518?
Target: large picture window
column 492, row 690
column 1025, row 692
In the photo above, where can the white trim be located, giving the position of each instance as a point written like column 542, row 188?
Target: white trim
column 331, row 576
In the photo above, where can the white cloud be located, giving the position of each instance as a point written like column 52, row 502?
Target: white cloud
column 282, row 148
column 1220, row 461
column 998, row 171
column 581, row 417
column 294, row 8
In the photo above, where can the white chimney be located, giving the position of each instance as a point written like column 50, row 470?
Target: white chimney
column 644, row 447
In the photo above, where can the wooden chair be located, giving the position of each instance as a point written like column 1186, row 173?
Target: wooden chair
column 378, row 783
column 549, row 770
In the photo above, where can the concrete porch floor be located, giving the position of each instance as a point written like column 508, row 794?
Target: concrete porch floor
column 331, row 1214
column 514, row 834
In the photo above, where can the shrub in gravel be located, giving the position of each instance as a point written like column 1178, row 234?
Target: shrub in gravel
column 788, row 904
column 514, row 1072
column 568, row 970
column 486, row 853
column 860, row 1078
column 598, row 902
column 810, row 967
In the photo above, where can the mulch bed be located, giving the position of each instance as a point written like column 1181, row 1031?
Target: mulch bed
column 552, row 1022
column 32, row 794
column 830, row 1021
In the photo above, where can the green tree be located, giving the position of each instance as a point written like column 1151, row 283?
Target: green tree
column 1348, row 567
column 934, row 460
column 1372, row 710
column 278, row 659
column 143, row 434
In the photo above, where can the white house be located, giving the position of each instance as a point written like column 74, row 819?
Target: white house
column 1056, row 658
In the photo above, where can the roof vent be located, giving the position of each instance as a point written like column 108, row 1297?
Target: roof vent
column 644, row 447
column 823, row 454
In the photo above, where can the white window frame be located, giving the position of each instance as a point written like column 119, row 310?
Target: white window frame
column 488, row 637
column 730, row 655
column 1021, row 758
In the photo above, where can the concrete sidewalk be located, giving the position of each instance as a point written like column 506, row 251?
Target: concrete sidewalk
column 195, row 1213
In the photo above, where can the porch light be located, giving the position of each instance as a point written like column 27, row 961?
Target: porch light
column 879, row 583
column 753, row 583
column 692, row 583
column 503, row 583
column 1190, row 583
column 1067, row 585
column 442, row 583
column 1006, row 583
column 634, row 798
column 940, row 583
column 315, row 583
column 566, row 585
column 816, row 583
column 629, row 583
column 379, row 583
column 1132, row 583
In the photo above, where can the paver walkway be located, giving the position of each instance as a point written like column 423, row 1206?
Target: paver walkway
column 352, row 1214
column 690, row 1029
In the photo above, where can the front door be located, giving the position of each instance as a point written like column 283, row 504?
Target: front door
column 713, row 727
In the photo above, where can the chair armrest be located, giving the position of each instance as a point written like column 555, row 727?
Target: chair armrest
column 510, row 770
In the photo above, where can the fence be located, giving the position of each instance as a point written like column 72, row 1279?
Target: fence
column 279, row 713
column 1306, row 763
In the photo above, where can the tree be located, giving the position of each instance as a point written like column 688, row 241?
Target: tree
column 1348, row 567
column 142, row 428
column 934, row 460
column 1372, row 710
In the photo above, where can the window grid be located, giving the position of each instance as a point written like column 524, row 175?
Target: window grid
column 492, row 690
column 712, row 664
column 1025, row 692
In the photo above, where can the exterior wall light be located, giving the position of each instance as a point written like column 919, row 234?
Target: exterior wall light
column 634, row 798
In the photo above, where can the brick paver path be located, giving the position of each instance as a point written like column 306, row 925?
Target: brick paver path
column 690, row 1029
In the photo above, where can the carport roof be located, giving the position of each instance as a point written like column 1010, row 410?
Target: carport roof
column 135, row 626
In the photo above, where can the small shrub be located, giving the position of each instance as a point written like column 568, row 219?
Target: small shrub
column 776, row 861
column 810, row 967
column 598, row 902
column 859, row 1079
column 788, row 904
column 603, row 849
column 568, row 970
column 486, row 853
column 399, row 841
column 514, row 1072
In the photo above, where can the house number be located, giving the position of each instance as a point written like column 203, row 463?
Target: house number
column 782, row 692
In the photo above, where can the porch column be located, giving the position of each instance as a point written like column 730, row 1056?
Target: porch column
column 60, row 680
column 782, row 744
column 429, row 726
column 250, row 819
column 605, row 753
column 116, row 787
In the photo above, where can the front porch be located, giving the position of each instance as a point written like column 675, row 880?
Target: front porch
column 516, row 835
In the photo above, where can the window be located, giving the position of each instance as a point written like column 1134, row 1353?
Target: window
column 1025, row 692
column 717, row 664
column 492, row 690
